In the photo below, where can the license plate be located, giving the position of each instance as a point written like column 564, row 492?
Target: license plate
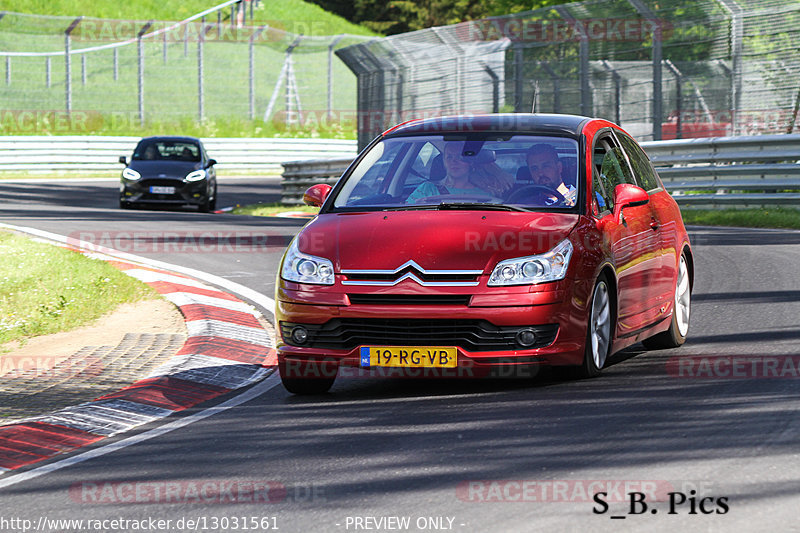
column 409, row 356
column 162, row 190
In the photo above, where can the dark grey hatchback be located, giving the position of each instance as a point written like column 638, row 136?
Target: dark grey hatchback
column 169, row 171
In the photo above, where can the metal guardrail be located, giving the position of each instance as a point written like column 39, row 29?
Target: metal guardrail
column 731, row 171
column 300, row 175
column 89, row 153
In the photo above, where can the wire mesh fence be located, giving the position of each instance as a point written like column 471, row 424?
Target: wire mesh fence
column 662, row 68
column 81, row 75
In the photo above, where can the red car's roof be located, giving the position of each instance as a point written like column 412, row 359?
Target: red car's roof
column 570, row 125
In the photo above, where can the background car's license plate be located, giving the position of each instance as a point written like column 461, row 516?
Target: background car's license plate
column 155, row 189
column 409, row 356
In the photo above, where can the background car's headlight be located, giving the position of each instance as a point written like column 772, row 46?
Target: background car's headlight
column 304, row 268
column 197, row 175
column 550, row 266
column 130, row 174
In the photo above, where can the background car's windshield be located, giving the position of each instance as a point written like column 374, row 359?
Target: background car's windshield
column 167, row 150
column 522, row 170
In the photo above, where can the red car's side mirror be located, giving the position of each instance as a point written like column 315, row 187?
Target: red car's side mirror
column 316, row 194
column 627, row 195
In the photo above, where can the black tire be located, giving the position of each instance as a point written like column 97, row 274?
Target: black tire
column 205, row 207
column 212, row 205
column 599, row 330
column 307, row 379
column 124, row 205
column 675, row 336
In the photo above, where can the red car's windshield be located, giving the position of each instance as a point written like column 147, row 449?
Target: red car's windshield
column 524, row 171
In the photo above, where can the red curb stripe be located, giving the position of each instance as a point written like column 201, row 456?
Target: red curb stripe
column 166, row 392
column 271, row 359
column 12, row 458
column 207, row 312
column 26, row 443
column 232, row 349
column 167, row 287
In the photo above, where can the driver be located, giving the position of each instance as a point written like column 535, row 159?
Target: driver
column 460, row 177
column 546, row 168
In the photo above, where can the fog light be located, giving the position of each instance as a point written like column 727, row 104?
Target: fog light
column 525, row 337
column 299, row 335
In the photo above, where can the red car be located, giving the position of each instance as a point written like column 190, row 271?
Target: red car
column 462, row 244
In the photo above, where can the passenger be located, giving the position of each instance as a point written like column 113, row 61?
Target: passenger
column 464, row 178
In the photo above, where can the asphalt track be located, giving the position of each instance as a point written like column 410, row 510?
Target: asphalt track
column 656, row 422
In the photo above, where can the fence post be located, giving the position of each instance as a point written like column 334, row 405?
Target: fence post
column 556, row 86
column 736, row 36
column 140, row 48
column 518, row 78
column 67, row 64
column 330, row 69
column 678, row 97
column 83, row 69
column 200, row 39
column 8, row 70
column 253, row 71
column 583, row 54
column 186, row 40
column 116, row 64
column 48, row 70
column 495, row 88
column 165, row 45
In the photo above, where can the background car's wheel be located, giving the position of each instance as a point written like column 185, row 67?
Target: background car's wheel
column 205, row 207
column 212, row 205
column 124, row 205
column 316, row 378
column 679, row 326
column 598, row 331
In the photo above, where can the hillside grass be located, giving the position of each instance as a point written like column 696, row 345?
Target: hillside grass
column 48, row 289
column 290, row 14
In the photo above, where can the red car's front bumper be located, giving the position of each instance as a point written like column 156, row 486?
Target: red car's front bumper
column 556, row 311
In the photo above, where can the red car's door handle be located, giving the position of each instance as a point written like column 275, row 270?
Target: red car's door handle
column 653, row 224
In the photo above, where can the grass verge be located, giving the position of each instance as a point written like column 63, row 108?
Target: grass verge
column 268, row 210
column 47, row 289
column 773, row 217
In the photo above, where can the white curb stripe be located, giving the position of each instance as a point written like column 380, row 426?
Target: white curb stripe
column 188, row 298
column 104, row 417
column 229, row 330
column 150, row 276
column 244, row 397
column 210, row 370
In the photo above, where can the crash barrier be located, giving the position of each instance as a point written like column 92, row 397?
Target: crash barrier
column 717, row 171
column 88, row 153
column 730, row 171
column 300, row 175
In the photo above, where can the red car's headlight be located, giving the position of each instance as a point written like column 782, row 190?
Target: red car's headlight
column 550, row 266
column 304, row 268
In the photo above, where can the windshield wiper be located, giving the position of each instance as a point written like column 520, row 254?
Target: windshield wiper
column 409, row 207
column 480, row 206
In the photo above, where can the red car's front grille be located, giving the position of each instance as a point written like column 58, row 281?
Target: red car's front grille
column 409, row 299
column 470, row 335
